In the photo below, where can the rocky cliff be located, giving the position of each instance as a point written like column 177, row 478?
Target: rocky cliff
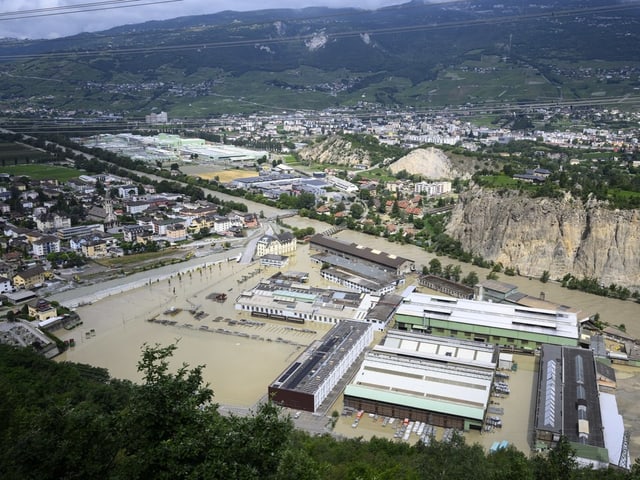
column 335, row 150
column 559, row 235
column 431, row 163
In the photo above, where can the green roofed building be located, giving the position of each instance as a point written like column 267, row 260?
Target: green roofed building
column 442, row 382
column 509, row 325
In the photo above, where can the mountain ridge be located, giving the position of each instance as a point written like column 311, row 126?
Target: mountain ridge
column 412, row 55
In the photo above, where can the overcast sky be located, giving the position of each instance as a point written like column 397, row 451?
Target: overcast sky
column 55, row 19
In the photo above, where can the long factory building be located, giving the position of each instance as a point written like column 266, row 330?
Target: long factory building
column 307, row 382
column 508, row 325
column 443, row 382
column 291, row 301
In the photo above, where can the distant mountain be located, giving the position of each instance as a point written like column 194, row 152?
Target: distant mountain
column 475, row 53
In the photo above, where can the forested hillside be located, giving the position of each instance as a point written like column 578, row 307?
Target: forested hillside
column 71, row 421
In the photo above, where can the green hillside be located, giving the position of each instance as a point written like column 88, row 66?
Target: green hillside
column 470, row 54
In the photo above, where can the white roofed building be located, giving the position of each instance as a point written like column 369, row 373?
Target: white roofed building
column 502, row 324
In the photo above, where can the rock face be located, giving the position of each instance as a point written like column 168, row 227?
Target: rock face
column 434, row 164
column 559, row 235
column 430, row 162
column 336, row 151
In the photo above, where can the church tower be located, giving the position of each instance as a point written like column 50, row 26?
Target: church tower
column 110, row 218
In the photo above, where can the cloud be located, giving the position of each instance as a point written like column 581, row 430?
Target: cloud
column 57, row 21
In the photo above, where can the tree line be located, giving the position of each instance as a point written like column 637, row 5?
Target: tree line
column 73, row 421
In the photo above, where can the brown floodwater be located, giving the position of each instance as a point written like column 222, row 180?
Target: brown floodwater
column 240, row 364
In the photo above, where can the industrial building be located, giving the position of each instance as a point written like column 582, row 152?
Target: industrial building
column 448, row 287
column 306, row 383
column 356, row 276
column 570, row 404
column 359, row 253
column 288, row 300
column 502, row 292
column 443, row 382
column 502, row 324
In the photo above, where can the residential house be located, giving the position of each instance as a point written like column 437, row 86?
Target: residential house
column 45, row 245
column 323, row 210
column 201, row 223
column 5, row 285
column 176, row 232
column 279, row 244
column 93, row 244
column 41, row 309
column 49, row 222
column 95, row 248
column 250, row 220
column 6, row 270
column 81, row 187
column 29, row 278
column 160, row 226
column 224, row 224
column 133, row 207
column 136, row 233
column 127, row 191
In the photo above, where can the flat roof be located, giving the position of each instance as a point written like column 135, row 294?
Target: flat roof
column 368, row 272
column 360, row 251
column 423, row 383
column 567, row 382
column 613, row 428
column 497, row 286
column 448, row 350
column 492, row 315
column 312, row 368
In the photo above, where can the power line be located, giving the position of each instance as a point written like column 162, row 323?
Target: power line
column 344, row 34
column 79, row 8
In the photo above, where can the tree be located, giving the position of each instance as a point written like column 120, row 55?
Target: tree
column 100, row 188
column 455, row 273
column 544, row 278
column 559, row 462
column 435, row 267
column 356, row 210
column 471, row 279
column 166, row 411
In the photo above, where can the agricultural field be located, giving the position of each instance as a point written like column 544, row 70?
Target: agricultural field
column 208, row 172
column 42, row 172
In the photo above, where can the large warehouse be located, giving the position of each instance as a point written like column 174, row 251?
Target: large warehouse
column 443, row 382
column 569, row 404
column 359, row 253
column 309, row 380
column 290, row 301
column 502, row 324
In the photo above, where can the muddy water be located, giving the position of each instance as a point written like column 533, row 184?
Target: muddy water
column 239, row 365
column 239, row 368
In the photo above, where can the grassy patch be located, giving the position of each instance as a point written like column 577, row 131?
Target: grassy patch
column 377, row 174
column 42, row 172
column 501, row 181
